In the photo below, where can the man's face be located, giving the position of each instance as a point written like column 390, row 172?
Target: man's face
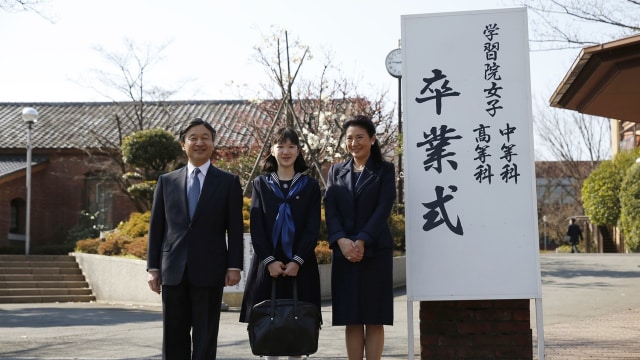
column 198, row 145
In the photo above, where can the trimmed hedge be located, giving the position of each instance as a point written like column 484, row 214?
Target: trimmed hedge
column 130, row 238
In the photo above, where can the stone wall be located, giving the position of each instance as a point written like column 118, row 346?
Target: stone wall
column 120, row 280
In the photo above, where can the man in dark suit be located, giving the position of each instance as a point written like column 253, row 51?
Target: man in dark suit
column 195, row 246
column 575, row 235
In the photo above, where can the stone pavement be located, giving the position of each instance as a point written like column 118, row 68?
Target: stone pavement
column 614, row 336
column 99, row 331
column 591, row 310
column 591, row 306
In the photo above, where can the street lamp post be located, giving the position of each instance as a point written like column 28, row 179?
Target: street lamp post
column 30, row 116
column 544, row 230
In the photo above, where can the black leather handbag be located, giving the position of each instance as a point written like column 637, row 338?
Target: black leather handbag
column 284, row 327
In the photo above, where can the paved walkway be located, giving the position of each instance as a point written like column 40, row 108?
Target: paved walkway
column 615, row 336
column 591, row 306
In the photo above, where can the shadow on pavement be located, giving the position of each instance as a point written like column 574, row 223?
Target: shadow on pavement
column 95, row 316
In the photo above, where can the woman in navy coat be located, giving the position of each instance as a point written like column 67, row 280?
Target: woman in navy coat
column 358, row 201
column 283, row 249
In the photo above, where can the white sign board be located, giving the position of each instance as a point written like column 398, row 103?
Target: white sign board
column 470, row 208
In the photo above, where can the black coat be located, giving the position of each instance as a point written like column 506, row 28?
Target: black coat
column 209, row 244
column 574, row 233
column 305, row 209
column 362, row 293
column 193, row 256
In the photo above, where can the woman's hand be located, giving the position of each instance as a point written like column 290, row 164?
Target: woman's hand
column 291, row 269
column 360, row 245
column 276, row 269
column 351, row 250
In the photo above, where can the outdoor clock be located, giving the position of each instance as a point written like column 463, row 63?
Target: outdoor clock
column 393, row 62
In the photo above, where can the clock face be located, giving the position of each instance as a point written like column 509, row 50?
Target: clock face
column 393, row 62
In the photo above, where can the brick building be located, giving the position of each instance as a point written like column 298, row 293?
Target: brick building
column 603, row 81
column 69, row 142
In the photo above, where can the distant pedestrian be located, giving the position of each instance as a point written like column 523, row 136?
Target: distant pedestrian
column 575, row 235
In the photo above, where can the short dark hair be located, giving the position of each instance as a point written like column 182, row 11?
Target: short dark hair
column 196, row 122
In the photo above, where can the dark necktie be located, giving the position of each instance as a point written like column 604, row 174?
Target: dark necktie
column 193, row 193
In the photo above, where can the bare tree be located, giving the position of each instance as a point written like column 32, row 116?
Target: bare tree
column 578, row 143
column 128, row 73
column 21, row 5
column 571, row 136
column 316, row 105
column 561, row 24
column 127, row 79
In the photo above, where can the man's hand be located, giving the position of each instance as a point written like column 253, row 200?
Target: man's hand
column 232, row 277
column 154, row 280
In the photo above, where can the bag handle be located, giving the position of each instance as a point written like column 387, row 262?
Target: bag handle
column 295, row 297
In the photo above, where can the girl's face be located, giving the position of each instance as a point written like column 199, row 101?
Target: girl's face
column 359, row 142
column 285, row 153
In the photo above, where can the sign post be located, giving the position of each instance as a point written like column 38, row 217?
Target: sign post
column 471, row 219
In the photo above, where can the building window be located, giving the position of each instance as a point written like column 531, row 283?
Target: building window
column 100, row 194
column 629, row 136
column 17, row 220
column 18, row 216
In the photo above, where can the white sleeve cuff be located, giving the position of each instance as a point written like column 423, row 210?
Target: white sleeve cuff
column 268, row 260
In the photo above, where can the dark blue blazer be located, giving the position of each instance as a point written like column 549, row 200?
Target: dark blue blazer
column 210, row 243
column 360, row 211
column 305, row 209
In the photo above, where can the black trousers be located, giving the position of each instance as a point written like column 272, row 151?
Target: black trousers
column 190, row 319
column 574, row 248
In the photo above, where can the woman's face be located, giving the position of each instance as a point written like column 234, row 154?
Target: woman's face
column 359, row 142
column 285, row 153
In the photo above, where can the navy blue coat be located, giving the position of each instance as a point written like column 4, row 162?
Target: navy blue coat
column 305, row 209
column 362, row 293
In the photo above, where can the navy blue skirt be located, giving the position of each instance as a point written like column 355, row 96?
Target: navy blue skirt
column 362, row 293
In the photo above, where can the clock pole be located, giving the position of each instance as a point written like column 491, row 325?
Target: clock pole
column 400, row 172
column 393, row 62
